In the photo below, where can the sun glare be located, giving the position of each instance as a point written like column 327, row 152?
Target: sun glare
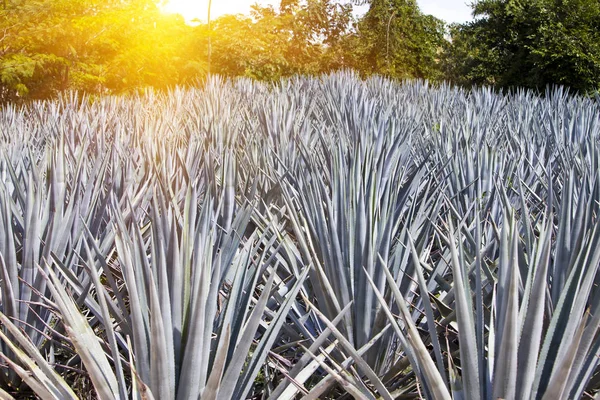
column 198, row 9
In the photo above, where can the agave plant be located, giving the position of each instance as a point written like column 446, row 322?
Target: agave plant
column 194, row 321
column 43, row 215
column 349, row 201
column 318, row 237
column 521, row 308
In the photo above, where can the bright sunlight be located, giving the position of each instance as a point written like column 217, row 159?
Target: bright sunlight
column 198, row 9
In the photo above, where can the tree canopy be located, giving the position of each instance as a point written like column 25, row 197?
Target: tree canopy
column 118, row 46
column 531, row 43
column 399, row 40
column 96, row 46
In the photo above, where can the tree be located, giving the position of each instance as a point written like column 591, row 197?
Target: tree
column 319, row 30
column 94, row 46
column 299, row 38
column 117, row 46
column 528, row 43
column 395, row 38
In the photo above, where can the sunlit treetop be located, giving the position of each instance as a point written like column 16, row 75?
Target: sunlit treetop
column 198, row 9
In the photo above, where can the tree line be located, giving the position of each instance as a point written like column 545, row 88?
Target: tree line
column 119, row 46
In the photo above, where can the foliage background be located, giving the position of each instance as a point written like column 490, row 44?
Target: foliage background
column 118, row 46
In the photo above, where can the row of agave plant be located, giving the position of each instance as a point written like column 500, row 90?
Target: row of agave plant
column 317, row 238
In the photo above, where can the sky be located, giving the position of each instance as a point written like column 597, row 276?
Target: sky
column 448, row 10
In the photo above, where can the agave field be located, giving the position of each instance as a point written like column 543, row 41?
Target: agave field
column 324, row 237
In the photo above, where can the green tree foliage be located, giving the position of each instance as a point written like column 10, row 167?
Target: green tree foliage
column 90, row 45
column 395, row 38
column 242, row 46
column 299, row 38
column 530, row 43
column 117, row 46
